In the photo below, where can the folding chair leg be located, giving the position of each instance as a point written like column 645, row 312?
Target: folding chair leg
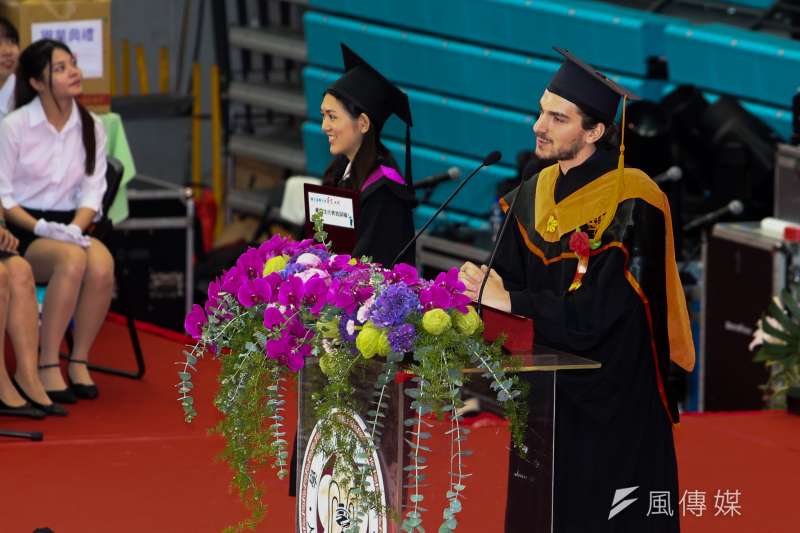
column 30, row 435
column 137, row 353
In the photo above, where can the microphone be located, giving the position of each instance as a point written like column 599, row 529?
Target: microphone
column 490, row 159
column 735, row 207
column 452, row 174
column 673, row 173
column 530, row 169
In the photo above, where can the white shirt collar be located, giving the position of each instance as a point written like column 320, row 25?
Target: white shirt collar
column 7, row 94
column 346, row 174
column 36, row 114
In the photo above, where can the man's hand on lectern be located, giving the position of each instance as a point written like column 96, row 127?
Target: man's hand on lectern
column 494, row 293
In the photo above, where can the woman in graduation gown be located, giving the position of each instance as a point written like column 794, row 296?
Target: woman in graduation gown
column 354, row 110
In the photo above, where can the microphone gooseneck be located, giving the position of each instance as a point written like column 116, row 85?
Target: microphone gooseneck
column 490, row 159
column 529, row 170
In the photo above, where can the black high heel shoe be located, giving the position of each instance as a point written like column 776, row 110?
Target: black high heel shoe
column 82, row 391
column 26, row 410
column 59, row 396
column 53, row 409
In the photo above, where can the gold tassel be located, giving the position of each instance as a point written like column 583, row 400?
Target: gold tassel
column 611, row 210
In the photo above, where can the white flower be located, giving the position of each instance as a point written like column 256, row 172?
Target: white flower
column 306, row 275
column 759, row 337
column 350, row 327
column 308, row 259
column 363, row 311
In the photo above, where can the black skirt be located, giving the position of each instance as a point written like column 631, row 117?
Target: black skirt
column 27, row 237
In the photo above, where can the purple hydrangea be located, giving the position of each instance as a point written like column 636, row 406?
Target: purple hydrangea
column 292, row 269
column 401, row 338
column 347, row 324
column 393, row 305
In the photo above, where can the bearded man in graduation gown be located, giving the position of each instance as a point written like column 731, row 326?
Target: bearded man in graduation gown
column 589, row 257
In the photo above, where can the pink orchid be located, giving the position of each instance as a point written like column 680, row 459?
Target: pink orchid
column 195, row 321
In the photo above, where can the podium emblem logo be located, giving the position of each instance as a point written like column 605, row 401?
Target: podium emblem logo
column 326, row 502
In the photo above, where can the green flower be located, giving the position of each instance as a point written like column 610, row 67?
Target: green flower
column 327, row 365
column 276, row 264
column 329, row 329
column 436, row 321
column 466, row 323
column 372, row 341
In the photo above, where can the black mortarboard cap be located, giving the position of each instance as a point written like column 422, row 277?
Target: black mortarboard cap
column 587, row 88
column 370, row 90
column 379, row 97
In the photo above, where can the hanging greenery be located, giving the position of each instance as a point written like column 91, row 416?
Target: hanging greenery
column 285, row 304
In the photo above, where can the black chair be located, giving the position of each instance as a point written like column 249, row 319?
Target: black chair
column 101, row 231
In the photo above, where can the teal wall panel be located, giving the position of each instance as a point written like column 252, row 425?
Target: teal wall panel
column 605, row 35
column 730, row 60
column 440, row 65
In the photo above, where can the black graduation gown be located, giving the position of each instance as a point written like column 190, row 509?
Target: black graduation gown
column 385, row 222
column 613, row 428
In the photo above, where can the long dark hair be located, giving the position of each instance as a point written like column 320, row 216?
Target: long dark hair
column 371, row 154
column 32, row 63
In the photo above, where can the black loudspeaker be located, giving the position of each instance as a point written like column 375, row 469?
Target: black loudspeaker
column 155, row 248
column 647, row 137
column 743, row 270
column 648, row 147
column 742, row 148
column 683, row 107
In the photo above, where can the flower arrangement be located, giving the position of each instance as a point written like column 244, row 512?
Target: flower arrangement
column 287, row 304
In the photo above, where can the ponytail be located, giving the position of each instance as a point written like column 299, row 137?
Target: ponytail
column 89, row 140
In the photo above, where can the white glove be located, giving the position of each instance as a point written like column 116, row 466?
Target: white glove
column 75, row 231
column 44, row 228
column 54, row 230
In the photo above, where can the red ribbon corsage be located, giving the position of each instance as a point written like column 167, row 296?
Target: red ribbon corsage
column 580, row 244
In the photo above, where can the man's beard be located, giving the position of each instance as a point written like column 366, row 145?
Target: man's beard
column 564, row 154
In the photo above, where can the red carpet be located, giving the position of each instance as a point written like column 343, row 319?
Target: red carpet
column 128, row 463
column 756, row 453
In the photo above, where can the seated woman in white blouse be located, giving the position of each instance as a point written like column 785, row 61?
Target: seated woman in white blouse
column 52, row 180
